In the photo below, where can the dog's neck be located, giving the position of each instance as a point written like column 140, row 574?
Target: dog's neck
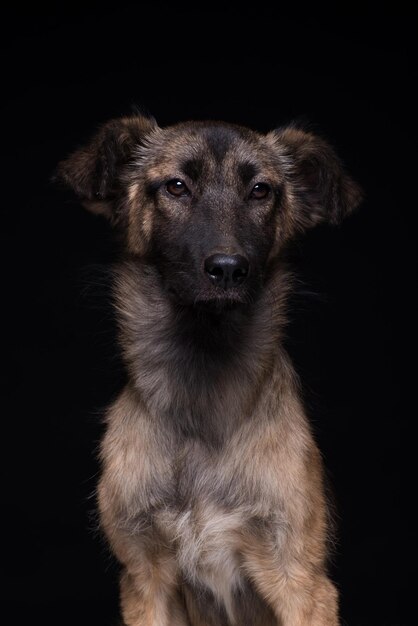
column 199, row 368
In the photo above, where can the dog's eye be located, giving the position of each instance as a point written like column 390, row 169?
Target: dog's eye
column 260, row 191
column 177, row 187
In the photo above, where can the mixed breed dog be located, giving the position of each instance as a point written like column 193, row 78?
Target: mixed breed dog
column 211, row 494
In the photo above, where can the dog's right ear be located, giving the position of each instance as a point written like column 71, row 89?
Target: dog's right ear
column 94, row 172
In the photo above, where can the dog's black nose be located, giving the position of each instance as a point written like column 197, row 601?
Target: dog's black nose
column 227, row 270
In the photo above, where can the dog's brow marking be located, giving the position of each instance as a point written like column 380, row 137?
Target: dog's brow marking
column 247, row 171
column 193, row 168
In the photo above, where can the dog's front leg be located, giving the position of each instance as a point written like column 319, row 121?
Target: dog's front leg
column 150, row 597
column 299, row 594
column 150, row 589
column 150, row 592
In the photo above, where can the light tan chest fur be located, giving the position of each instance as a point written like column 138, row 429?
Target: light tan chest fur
column 204, row 503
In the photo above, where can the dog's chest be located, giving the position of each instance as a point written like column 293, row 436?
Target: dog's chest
column 202, row 527
column 206, row 538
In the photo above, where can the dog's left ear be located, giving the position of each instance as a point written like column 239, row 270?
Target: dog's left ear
column 320, row 187
column 95, row 172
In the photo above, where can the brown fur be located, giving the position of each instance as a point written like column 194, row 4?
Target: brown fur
column 211, row 494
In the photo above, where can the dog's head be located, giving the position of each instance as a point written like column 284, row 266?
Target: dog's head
column 210, row 204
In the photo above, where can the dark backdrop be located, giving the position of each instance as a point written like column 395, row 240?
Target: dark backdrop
column 350, row 74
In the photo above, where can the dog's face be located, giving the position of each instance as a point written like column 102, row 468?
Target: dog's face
column 210, row 204
column 214, row 194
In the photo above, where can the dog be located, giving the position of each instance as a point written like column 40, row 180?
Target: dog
column 212, row 492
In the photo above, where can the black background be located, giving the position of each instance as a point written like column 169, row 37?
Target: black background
column 349, row 72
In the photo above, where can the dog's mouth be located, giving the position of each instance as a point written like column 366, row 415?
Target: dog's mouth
column 220, row 303
column 215, row 300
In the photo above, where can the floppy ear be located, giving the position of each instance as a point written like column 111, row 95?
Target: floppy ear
column 321, row 188
column 94, row 172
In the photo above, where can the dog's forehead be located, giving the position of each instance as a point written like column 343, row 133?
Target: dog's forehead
column 202, row 148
